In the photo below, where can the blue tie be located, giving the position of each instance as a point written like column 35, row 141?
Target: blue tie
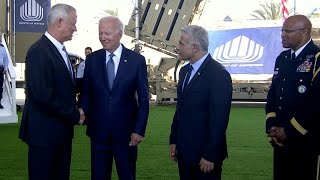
column 186, row 80
column 110, row 70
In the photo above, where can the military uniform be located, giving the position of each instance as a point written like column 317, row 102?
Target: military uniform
column 293, row 103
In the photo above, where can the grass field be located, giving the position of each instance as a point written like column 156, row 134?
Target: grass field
column 250, row 155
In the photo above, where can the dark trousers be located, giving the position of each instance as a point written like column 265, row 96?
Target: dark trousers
column 193, row 172
column 1, row 82
column 294, row 164
column 102, row 155
column 49, row 162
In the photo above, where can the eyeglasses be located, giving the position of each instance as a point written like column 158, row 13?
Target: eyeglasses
column 288, row 31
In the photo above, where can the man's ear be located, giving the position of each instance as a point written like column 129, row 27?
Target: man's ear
column 195, row 48
column 59, row 22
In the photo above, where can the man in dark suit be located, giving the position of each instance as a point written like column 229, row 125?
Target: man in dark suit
column 115, row 100
column 198, row 139
column 50, row 111
column 293, row 101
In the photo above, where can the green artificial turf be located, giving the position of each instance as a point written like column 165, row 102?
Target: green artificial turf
column 250, row 155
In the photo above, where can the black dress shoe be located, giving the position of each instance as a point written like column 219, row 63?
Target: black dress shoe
column 1, row 107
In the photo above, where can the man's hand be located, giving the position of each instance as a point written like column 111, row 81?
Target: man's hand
column 278, row 135
column 82, row 116
column 173, row 152
column 135, row 139
column 206, row 166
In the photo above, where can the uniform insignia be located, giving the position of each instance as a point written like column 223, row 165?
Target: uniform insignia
column 309, row 56
column 305, row 66
column 302, row 89
column 275, row 72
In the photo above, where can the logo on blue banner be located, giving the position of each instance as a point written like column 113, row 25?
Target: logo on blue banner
column 246, row 51
column 31, row 15
column 239, row 50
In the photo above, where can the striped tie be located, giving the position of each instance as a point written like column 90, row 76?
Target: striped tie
column 68, row 62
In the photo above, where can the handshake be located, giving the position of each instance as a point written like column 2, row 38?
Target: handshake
column 82, row 116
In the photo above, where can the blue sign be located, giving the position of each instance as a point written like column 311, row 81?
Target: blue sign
column 31, row 15
column 246, row 51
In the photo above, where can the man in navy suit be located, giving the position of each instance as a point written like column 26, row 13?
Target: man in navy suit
column 50, row 111
column 198, row 131
column 115, row 100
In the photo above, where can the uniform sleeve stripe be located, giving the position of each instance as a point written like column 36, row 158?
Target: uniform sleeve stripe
column 298, row 127
column 271, row 114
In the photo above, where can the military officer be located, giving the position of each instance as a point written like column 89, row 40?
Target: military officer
column 293, row 101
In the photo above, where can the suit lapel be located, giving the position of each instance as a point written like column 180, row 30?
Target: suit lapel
column 306, row 51
column 60, row 61
column 198, row 74
column 122, row 68
column 181, row 78
column 103, row 66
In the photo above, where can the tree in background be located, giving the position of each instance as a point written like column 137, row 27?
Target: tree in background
column 111, row 12
column 315, row 13
column 268, row 11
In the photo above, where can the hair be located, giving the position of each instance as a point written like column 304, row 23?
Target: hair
column 88, row 48
column 116, row 20
column 197, row 35
column 59, row 11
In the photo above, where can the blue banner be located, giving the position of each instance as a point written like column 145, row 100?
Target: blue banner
column 30, row 15
column 246, row 51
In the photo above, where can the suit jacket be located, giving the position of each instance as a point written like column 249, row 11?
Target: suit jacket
column 202, row 114
column 116, row 113
column 293, row 100
column 50, row 110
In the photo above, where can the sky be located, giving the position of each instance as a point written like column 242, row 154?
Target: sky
column 90, row 11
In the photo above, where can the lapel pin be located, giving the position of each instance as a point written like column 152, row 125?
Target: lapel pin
column 125, row 60
column 198, row 73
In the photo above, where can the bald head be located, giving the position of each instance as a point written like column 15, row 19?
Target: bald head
column 298, row 22
column 296, row 32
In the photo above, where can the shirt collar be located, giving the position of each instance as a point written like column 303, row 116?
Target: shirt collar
column 54, row 41
column 297, row 52
column 198, row 63
column 117, row 52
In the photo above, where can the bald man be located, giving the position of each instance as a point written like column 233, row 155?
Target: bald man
column 293, row 101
